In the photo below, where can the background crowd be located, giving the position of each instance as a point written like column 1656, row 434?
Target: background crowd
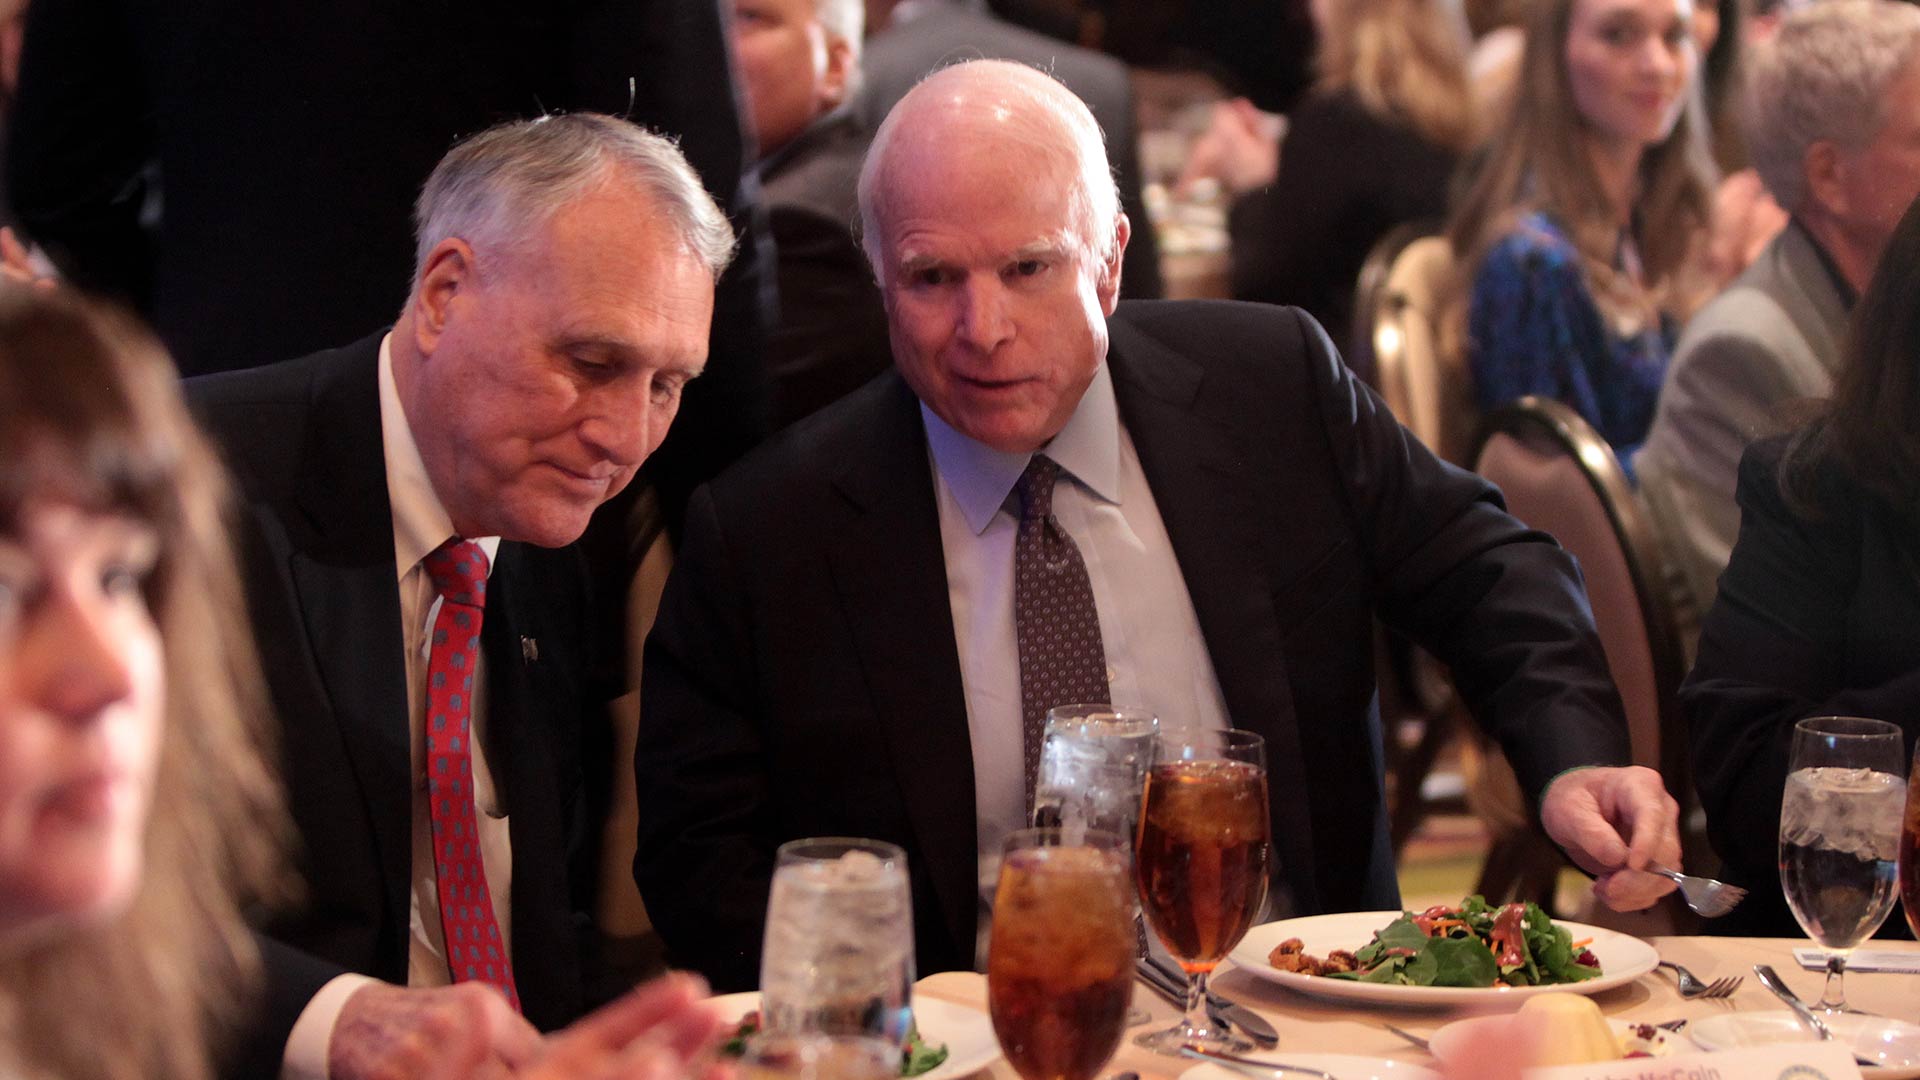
column 456, row 464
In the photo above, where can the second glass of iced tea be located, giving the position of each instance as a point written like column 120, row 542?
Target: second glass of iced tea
column 1202, row 863
column 1060, row 956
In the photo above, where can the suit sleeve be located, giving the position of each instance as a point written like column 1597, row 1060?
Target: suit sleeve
column 703, row 862
column 78, row 146
column 1500, row 604
column 1772, row 651
column 1720, row 396
column 290, row 979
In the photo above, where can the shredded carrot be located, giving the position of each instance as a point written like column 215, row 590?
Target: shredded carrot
column 1583, row 943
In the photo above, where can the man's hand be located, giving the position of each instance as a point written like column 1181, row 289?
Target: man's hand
column 429, row 1033
column 663, row 1030
column 1612, row 822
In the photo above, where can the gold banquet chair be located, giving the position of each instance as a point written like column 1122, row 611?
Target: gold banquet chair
column 1396, row 343
column 1561, row 477
column 1426, row 385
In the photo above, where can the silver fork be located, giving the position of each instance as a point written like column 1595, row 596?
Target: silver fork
column 1708, row 898
column 1692, row 986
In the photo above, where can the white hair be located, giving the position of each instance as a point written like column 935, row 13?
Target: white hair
column 1041, row 114
column 1823, row 78
column 496, row 189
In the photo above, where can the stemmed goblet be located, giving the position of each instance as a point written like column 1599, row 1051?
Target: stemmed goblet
column 1839, row 831
column 1201, row 862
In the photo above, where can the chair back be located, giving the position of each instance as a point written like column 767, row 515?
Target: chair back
column 1561, row 477
column 1399, row 312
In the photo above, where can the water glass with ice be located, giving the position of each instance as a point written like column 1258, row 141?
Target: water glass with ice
column 1840, row 834
column 838, row 956
column 1093, row 768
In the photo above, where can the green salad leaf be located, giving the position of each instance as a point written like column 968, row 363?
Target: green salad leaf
column 1463, row 946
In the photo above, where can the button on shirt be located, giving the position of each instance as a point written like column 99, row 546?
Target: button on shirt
column 1155, row 654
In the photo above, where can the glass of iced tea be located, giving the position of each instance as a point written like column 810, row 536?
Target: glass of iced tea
column 1060, row 955
column 1910, row 848
column 1201, row 863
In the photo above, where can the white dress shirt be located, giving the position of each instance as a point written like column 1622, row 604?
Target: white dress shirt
column 1156, row 657
column 420, row 525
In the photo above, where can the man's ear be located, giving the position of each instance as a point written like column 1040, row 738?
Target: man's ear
column 1108, row 285
column 838, row 76
column 1825, row 169
column 449, row 275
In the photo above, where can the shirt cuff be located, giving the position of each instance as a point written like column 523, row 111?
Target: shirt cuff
column 305, row 1057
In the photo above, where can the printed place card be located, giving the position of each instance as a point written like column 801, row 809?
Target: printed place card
column 1897, row 961
column 1783, row 1061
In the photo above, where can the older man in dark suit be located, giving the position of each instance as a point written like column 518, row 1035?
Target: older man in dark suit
column 426, row 629
column 851, row 645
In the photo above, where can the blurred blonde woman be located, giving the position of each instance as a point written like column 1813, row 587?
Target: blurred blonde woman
column 1581, row 239
column 135, row 811
column 1371, row 147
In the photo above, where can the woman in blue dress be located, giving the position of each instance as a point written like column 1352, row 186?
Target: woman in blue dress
column 1581, row 232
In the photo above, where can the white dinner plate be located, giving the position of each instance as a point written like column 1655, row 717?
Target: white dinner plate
column 1623, row 958
column 968, row 1033
column 1895, row 1042
column 1464, row 1042
column 1344, row 1066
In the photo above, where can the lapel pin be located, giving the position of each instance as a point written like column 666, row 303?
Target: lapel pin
column 529, row 649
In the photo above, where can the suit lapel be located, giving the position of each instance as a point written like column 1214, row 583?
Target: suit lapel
column 1208, row 499
column 344, row 574
column 890, row 573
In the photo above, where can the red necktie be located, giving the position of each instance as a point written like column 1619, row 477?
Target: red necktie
column 474, row 948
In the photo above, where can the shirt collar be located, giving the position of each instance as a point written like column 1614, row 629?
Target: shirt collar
column 420, row 522
column 980, row 477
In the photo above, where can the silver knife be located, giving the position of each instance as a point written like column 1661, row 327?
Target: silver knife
column 1236, row 1014
column 1781, row 990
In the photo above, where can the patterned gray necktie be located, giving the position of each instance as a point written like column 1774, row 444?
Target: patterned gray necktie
column 1062, row 660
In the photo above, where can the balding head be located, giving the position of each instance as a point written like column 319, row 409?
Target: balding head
column 992, row 224
column 992, row 110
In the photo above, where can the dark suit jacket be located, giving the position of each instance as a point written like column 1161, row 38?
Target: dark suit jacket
column 316, row 537
column 832, row 333
column 899, row 56
column 1818, row 614
column 287, row 141
column 802, row 678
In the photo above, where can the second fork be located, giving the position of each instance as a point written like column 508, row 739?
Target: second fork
column 1692, row 986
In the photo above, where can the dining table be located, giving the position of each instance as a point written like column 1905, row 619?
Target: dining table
column 1310, row 1025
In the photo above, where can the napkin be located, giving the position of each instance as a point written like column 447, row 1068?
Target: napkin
column 1897, row 961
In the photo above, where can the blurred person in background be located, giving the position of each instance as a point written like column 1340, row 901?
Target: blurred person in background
column 127, row 681
column 1579, row 239
column 1818, row 613
column 799, row 65
column 1834, row 103
column 1372, row 147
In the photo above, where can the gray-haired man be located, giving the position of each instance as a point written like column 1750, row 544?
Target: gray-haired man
column 425, row 626
column 1834, row 129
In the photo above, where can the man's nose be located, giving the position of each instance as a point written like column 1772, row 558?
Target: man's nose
column 983, row 321
column 88, row 665
column 621, row 428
